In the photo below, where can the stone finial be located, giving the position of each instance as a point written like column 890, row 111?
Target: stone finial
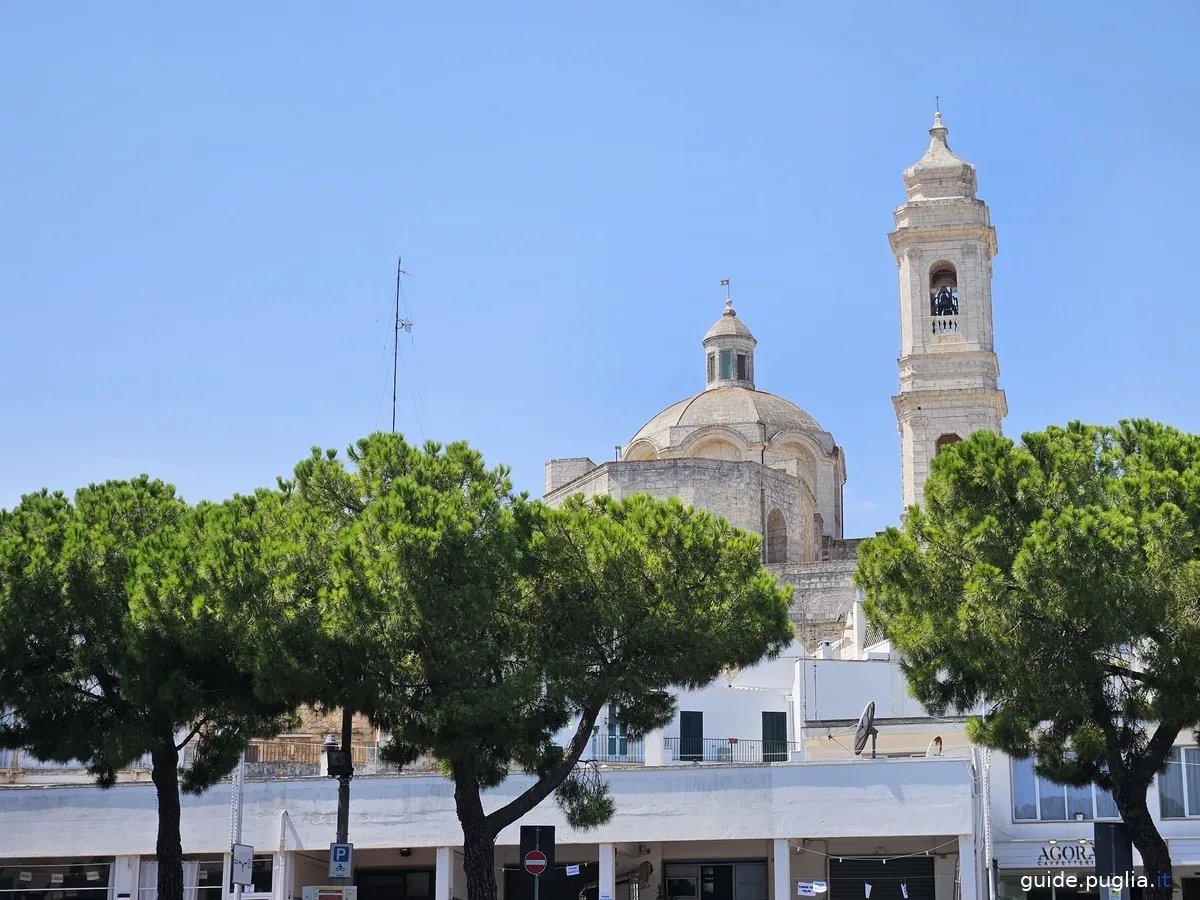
column 939, row 131
column 729, row 307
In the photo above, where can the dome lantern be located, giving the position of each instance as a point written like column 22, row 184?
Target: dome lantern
column 729, row 352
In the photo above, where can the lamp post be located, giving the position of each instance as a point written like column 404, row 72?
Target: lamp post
column 341, row 766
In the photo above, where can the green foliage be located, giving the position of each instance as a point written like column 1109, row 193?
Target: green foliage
column 126, row 616
column 481, row 624
column 1057, row 582
column 132, row 624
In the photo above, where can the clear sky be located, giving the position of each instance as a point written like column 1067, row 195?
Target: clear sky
column 201, row 208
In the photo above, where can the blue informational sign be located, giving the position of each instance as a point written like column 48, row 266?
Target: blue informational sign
column 341, row 860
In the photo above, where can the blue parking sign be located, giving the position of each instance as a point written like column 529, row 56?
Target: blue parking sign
column 341, row 860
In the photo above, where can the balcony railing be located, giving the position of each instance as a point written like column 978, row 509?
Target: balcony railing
column 281, row 760
column 727, row 750
column 615, row 748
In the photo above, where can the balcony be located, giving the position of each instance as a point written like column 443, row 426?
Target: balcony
column 726, row 750
column 265, row 761
column 611, row 746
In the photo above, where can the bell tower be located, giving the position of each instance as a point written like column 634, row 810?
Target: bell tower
column 944, row 243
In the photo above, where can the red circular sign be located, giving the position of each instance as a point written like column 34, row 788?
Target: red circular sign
column 535, row 862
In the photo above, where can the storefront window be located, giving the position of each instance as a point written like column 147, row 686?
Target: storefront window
column 47, row 881
column 717, row 881
column 1039, row 799
column 203, row 878
column 1042, row 885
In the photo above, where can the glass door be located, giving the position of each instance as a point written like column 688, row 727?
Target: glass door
column 617, row 738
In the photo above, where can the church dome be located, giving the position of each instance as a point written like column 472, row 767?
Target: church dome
column 939, row 174
column 747, row 418
column 738, row 408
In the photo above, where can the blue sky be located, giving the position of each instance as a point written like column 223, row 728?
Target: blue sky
column 201, row 209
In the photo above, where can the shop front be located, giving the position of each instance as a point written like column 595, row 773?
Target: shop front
column 1048, row 870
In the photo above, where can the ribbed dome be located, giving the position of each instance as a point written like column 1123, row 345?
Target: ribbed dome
column 729, row 325
column 731, row 406
column 939, row 174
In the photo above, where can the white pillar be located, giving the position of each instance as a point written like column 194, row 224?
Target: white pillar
column 608, row 872
column 282, row 869
column 860, row 625
column 444, row 886
column 124, row 877
column 967, row 868
column 653, row 743
column 783, row 870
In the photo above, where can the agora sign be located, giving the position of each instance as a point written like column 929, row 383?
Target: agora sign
column 1067, row 854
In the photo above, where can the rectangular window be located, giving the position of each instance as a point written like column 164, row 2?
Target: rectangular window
column 1053, row 801
column 1170, row 787
column 682, row 882
column 81, row 880
column 741, row 366
column 1106, row 806
column 261, row 874
column 726, row 365
column 1039, row 799
column 712, row 367
column 1024, row 791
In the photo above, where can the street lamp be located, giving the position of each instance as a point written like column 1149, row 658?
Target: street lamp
column 340, row 765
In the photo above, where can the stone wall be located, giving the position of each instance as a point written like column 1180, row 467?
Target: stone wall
column 741, row 492
column 314, row 725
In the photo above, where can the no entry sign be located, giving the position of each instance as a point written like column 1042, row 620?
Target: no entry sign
column 535, row 862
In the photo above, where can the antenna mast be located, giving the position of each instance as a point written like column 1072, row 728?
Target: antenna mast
column 406, row 324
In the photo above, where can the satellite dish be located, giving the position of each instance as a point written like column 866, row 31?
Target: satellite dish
column 866, row 729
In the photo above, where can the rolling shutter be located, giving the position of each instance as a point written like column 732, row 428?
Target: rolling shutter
column 889, row 881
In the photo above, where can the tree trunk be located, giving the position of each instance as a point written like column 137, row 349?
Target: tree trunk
column 1156, row 858
column 479, row 841
column 165, row 774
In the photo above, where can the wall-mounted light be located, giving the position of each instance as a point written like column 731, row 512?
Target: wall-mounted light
column 1052, row 842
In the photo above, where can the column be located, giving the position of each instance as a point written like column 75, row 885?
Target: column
column 782, row 868
column 967, row 869
column 608, row 872
column 444, row 878
column 653, row 744
column 123, row 880
column 282, row 869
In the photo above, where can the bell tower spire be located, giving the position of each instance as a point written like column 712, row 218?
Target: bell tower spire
column 944, row 243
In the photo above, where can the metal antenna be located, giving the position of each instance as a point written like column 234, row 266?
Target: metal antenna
column 937, row 104
column 406, row 324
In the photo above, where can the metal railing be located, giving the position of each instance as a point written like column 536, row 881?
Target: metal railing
column 269, row 760
column 609, row 745
column 726, row 750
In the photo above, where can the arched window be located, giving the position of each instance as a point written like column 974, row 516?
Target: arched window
column 943, row 289
column 776, row 537
column 945, row 441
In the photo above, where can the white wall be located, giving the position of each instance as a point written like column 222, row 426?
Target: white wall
column 734, row 710
column 837, row 689
column 705, row 803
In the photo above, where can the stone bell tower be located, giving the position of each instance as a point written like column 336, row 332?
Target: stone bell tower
column 944, row 243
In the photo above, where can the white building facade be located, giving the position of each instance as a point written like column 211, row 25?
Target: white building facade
column 753, row 791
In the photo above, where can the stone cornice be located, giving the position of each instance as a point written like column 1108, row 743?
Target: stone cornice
column 908, row 402
column 906, row 237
